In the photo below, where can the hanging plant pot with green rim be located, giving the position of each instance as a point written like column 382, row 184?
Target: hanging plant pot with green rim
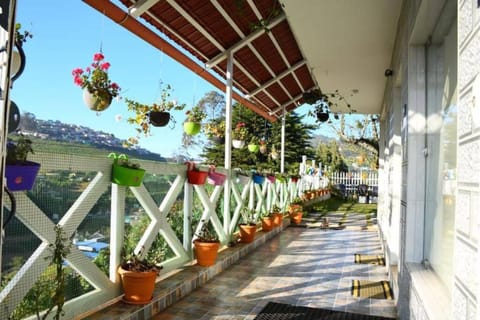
column 192, row 128
column 124, row 172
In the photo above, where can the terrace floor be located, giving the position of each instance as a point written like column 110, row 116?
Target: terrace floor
column 311, row 267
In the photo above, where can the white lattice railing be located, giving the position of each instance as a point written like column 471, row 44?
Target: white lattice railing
column 260, row 197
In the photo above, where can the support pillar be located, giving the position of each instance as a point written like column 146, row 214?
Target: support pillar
column 228, row 143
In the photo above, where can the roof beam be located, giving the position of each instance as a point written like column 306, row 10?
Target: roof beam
column 123, row 19
column 277, row 78
column 294, row 100
column 252, row 36
column 140, row 7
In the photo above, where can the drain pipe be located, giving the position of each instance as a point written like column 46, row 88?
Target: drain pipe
column 425, row 261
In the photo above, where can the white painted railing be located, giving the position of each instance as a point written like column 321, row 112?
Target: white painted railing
column 106, row 287
column 351, row 180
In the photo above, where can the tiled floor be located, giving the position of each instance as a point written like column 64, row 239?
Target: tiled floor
column 301, row 266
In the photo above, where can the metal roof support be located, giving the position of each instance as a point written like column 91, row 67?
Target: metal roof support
column 228, row 142
column 140, row 7
column 282, row 146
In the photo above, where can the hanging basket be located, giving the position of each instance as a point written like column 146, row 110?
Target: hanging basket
column 253, row 148
column 194, row 176
column 263, row 148
column 271, row 179
column 98, row 102
column 218, row 140
column 192, row 128
column 21, row 177
column 242, row 179
column 322, row 116
column 128, row 177
column 238, row 144
column 215, row 178
column 159, row 118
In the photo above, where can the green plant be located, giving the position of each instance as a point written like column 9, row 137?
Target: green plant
column 18, row 151
column 275, row 209
column 206, row 234
column 296, row 200
column 196, row 114
column 132, row 261
column 248, row 216
column 21, row 37
column 59, row 249
column 122, row 160
column 95, row 78
column 215, row 128
column 240, row 132
column 254, row 140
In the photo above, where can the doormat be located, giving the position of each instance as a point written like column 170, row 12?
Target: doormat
column 281, row 311
column 370, row 259
column 372, row 289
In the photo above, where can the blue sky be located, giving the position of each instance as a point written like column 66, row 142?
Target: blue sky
column 66, row 34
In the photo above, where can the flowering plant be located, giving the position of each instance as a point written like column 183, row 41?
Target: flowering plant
column 195, row 115
column 215, row 128
column 95, row 78
column 240, row 132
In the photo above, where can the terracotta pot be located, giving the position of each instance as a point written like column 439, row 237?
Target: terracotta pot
column 277, row 219
column 21, row 177
column 267, row 224
column 192, row 128
column 296, row 217
column 137, row 286
column 159, row 118
column 206, row 252
column 247, row 232
column 97, row 102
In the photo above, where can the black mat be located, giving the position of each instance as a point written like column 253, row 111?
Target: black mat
column 280, row 311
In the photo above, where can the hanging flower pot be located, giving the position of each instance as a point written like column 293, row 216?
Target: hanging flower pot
column 195, row 176
column 258, row 178
column 98, row 89
column 218, row 140
column 238, row 144
column 21, row 177
column 253, row 148
column 98, row 102
column 124, row 172
column 322, row 116
column 215, row 178
column 271, row 178
column 159, row 118
column 192, row 128
column 263, row 147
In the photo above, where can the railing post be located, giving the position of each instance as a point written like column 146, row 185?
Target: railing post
column 187, row 217
column 117, row 229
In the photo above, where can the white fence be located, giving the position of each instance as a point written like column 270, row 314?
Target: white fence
column 351, row 180
column 86, row 199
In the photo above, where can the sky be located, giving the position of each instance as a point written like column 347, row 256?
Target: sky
column 66, row 35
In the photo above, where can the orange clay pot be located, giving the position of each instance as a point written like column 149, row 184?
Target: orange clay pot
column 296, row 217
column 247, row 232
column 206, row 252
column 137, row 286
column 277, row 219
column 267, row 224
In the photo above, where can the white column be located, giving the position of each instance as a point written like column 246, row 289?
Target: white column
column 117, row 229
column 187, row 218
column 282, row 152
column 228, row 141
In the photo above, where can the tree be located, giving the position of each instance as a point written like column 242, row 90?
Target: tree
column 328, row 154
column 297, row 137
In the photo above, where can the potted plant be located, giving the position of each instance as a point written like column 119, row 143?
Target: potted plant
column 206, row 244
column 277, row 216
column 263, row 146
column 267, row 221
column 239, row 134
column 295, row 210
column 20, row 172
column 98, row 89
column 156, row 114
column 243, row 177
column 253, row 145
column 18, row 55
column 274, row 153
column 194, row 175
column 248, row 227
column 193, row 122
column 138, row 274
column 215, row 130
column 258, row 178
column 125, row 172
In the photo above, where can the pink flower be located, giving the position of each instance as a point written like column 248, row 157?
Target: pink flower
column 104, row 66
column 114, row 85
column 77, row 72
column 78, row 81
column 88, row 69
column 98, row 57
